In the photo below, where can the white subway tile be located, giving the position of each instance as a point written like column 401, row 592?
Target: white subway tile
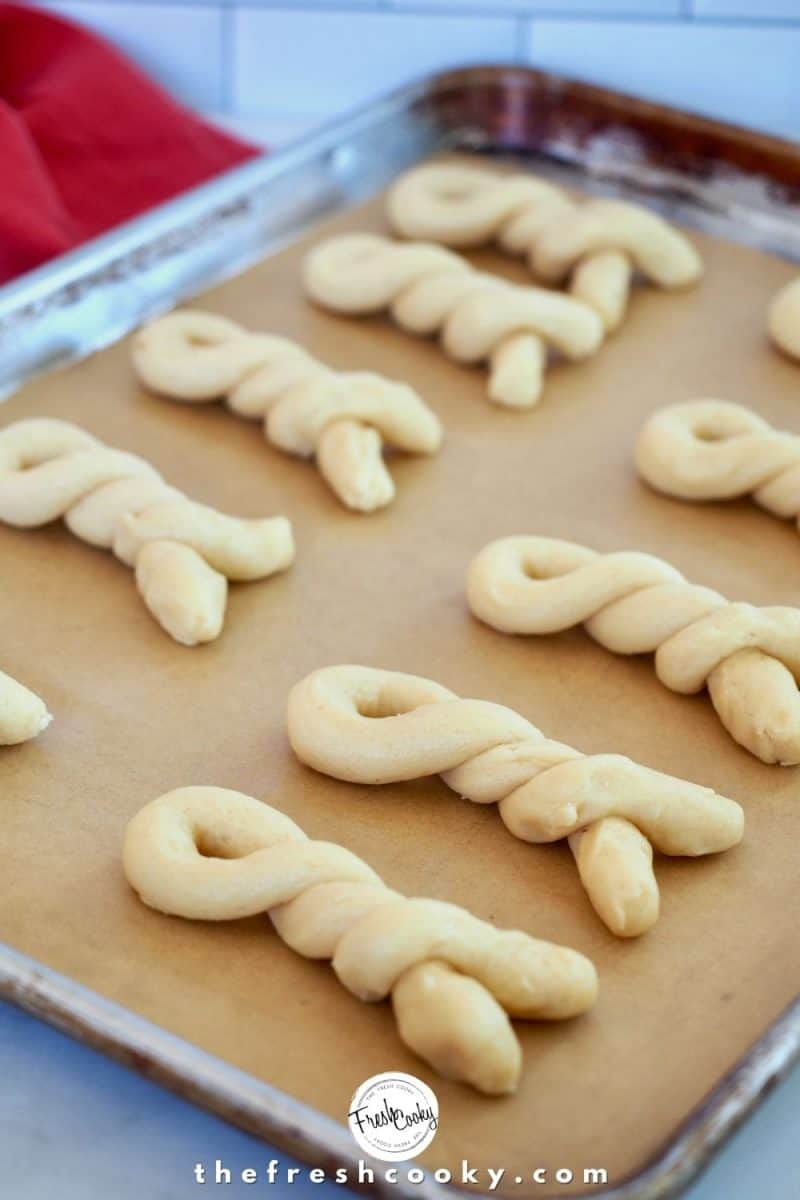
column 321, row 62
column 756, row 10
column 590, row 8
column 743, row 74
column 179, row 45
column 343, row 5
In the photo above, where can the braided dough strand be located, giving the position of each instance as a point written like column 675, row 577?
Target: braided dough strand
column 183, row 553
column 783, row 319
column 600, row 242
column 216, row 855
column 631, row 603
column 306, row 408
column 23, row 715
column 480, row 317
column 715, row 450
column 372, row 726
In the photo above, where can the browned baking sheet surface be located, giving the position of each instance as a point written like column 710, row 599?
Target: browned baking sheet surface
column 137, row 714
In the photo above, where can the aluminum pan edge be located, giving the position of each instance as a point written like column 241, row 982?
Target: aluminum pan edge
column 95, row 294
column 90, row 297
column 270, row 1114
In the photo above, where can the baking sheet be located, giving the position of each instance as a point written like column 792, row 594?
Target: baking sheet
column 137, row 715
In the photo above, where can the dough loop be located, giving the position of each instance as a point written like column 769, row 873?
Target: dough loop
column 210, row 854
column 715, row 450
column 183, row 553
column 480, row 317
column 632, row 603
column 306, row 408
column 783, row 319
column 372, row 726
column 600, row 244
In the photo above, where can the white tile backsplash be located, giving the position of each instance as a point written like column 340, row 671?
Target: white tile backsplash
column 580, row 8
column 313, row 61
column 180, row 45
column 291, row 63
column 745, row 74
column 753, row 10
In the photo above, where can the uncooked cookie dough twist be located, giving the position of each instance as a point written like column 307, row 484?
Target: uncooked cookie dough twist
column 307, row 409
column 23, row 714
column 783, row 319
column 183, row 553
column 714, row 450
column 428, row 290
column 632, row 603
column 371, row 726
column 599, row 243
column 210, row 854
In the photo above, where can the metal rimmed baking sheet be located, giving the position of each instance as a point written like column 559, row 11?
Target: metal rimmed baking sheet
column 136, row 715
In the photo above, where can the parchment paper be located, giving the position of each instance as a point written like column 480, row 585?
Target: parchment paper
column 136, row 715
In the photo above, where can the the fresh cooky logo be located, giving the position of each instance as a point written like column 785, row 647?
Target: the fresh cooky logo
column 393, row 1116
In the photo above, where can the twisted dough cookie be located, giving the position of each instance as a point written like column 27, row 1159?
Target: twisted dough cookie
column 428, row 290
column 23, row 715
column 783, row 319
column 714, row 450
column 210, row 854
column 631, row 603
column 307, row 408
column 600, row 242
column 610, row 808
column 182, row 552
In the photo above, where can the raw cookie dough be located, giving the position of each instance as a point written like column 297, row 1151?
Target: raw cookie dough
column 371, row 726
column 23, row 715
column 783, row 319
column 182, row 552
column 632, row 603
column 600, row 244
column 210, row 854
column 307, row 408
column 715, row 450
column 480, row 317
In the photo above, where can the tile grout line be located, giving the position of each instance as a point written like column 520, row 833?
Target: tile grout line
column 523, row 39
column 227, row 56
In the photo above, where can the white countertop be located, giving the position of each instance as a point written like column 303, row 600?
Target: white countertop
column 76, row 1126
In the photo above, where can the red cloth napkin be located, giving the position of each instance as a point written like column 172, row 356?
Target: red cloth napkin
column 86, row 139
